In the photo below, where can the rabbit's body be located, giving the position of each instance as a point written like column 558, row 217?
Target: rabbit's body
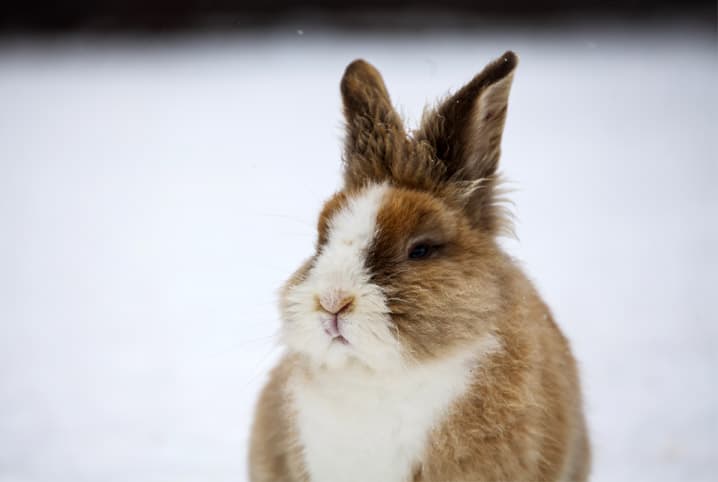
column 460, row 420
column 417, row 350
column 376, row 426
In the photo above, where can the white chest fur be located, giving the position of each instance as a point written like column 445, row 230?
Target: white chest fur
column 360, row 427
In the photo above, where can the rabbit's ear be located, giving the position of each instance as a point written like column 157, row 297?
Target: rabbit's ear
column 374, row 131
column 464, row 132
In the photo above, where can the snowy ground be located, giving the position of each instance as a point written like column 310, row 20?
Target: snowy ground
column 153, row 196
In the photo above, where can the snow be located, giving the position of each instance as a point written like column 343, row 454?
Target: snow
column 154, row 195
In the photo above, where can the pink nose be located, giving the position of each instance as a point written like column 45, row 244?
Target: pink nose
column 335, row 302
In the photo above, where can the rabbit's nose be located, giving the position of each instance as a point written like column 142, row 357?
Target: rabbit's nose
column 336, row 301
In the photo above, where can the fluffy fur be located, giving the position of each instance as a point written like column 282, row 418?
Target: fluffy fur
column 416, row 349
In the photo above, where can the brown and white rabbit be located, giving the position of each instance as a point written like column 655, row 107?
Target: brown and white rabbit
column 416, row 349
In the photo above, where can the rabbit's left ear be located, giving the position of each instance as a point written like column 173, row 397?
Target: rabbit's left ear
column 465, row 130
column 464, row 133
column 374, row 132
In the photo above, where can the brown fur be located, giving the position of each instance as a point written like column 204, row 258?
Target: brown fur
column 330, row 207
column 521, row 418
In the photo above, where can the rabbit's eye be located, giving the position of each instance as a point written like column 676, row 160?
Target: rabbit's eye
column 419, row 251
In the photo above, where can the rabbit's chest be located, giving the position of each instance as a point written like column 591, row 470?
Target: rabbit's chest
column 376, row 431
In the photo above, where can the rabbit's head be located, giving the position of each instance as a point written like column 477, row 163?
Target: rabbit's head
column 406, row 267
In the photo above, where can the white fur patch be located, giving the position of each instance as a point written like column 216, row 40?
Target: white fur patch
column 341, row 267
column 360, row 426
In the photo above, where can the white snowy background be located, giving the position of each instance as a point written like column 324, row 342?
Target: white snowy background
column 155, row 193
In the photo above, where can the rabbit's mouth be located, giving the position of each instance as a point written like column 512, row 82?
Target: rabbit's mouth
column 332, row 327
column 339, row 339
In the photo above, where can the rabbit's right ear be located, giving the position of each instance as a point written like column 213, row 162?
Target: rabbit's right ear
column 375, row 135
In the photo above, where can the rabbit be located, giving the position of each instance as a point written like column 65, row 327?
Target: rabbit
column 416, row 350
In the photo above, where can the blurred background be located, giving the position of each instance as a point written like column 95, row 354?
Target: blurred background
column 162, row 164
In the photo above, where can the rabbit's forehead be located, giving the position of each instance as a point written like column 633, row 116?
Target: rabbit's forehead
column 348, row 228
column 354, row 220
column 374, row 225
